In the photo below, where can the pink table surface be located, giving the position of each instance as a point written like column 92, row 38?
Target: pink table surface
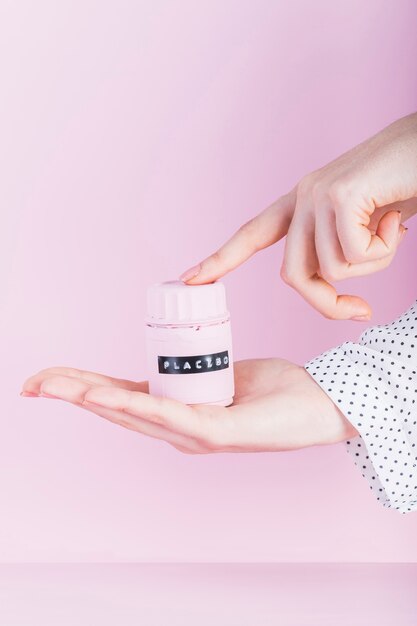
column 208, row 593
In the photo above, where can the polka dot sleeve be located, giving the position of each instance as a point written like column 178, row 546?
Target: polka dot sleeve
column 374, row 384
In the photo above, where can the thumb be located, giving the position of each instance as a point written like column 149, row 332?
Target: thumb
column 258, row 233
column 390, row 229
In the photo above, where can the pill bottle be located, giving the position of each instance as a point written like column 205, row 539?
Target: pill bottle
column 189, row 343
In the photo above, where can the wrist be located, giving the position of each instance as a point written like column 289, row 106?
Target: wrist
column 334, row 427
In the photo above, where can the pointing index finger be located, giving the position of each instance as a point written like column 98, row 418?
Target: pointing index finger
column 256, row 234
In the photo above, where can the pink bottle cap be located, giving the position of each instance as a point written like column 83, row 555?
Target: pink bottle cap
column 174, row 302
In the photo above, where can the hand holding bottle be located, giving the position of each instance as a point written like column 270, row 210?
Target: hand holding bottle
column 277, row 406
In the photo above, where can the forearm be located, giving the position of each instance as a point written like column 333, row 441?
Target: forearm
column 374, row 384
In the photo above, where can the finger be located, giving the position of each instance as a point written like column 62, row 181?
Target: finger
column 407, row 208
column 33, row 383
column 144, row 427
column 171, row 414
column 260, row 232
column 357, row 241
column 74, row 391
column 300, row 270
column 197, row 421
column 332, row 263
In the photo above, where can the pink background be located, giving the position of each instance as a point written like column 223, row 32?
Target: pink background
column 135, row 137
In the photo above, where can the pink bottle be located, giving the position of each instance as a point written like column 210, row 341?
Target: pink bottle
column 189, row 343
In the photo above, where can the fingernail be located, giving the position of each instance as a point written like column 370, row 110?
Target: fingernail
column 190, row 273
column 28, row 394
column 361, row 318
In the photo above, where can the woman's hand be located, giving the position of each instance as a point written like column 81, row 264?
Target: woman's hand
column 277, row 406
column 341, row 221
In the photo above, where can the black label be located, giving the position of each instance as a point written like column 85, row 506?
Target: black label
column 193, row 364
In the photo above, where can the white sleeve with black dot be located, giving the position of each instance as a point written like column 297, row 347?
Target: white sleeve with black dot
column 374, row 384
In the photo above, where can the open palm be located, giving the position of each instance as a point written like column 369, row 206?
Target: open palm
column 277, row 406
